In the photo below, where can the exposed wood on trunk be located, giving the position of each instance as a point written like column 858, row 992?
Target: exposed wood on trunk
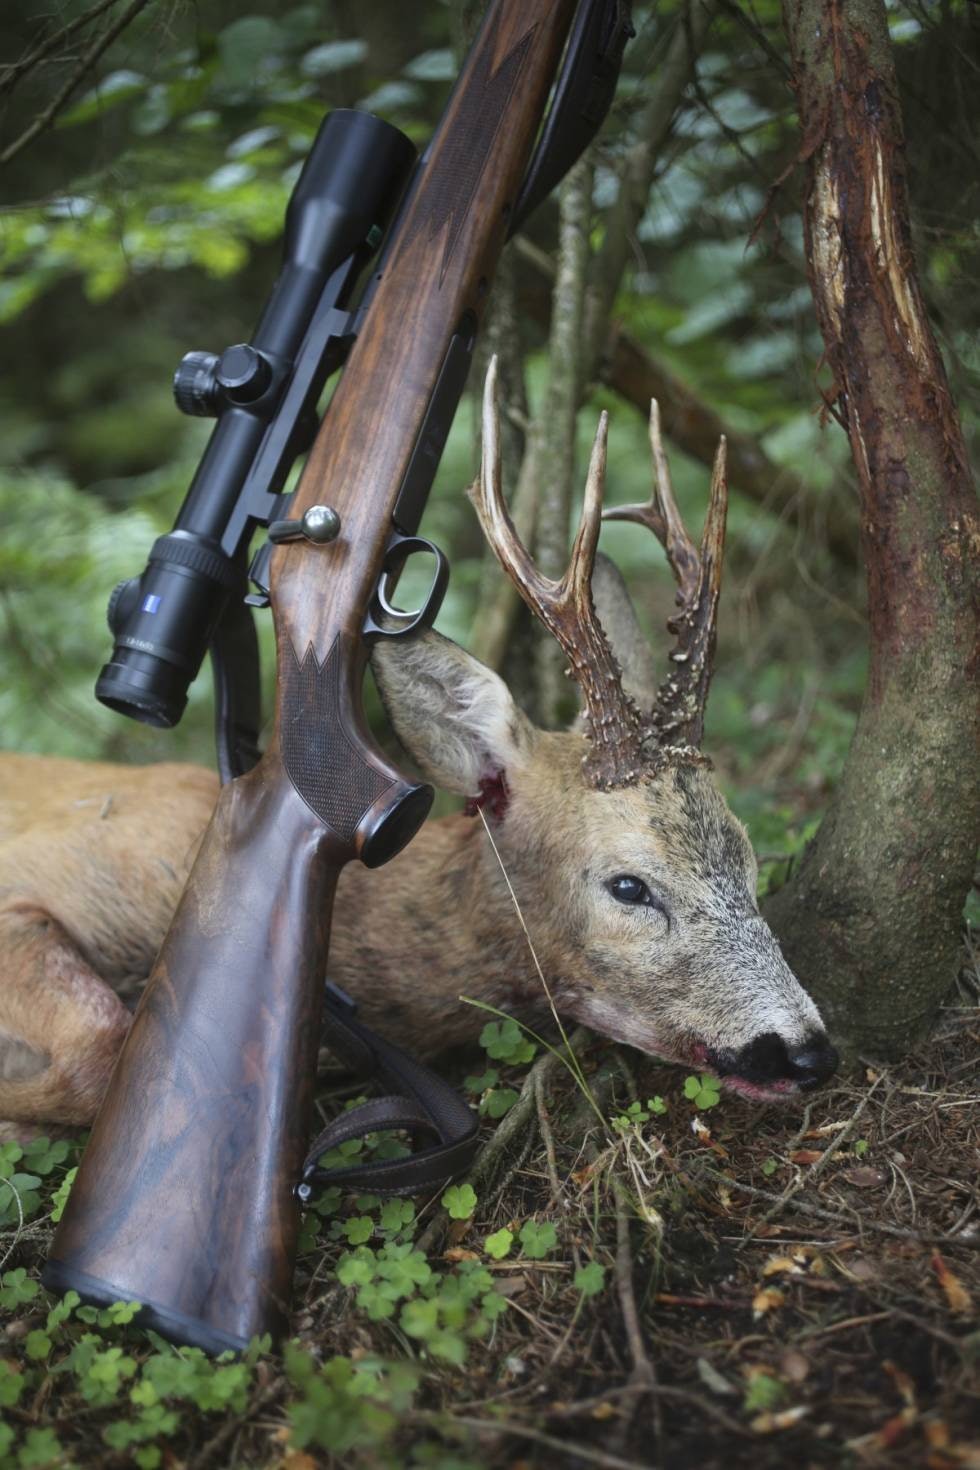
column 871, row 918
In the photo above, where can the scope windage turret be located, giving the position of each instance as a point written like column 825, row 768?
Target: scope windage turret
column 163, row 621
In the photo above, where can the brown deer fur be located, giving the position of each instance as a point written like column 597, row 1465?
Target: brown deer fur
column 93, row 859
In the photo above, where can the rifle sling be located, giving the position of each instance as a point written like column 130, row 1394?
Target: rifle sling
column 423, row 1105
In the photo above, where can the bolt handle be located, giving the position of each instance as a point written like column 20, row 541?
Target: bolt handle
column 319, row 524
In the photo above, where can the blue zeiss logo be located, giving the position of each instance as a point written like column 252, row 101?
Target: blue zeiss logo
column 151, row 603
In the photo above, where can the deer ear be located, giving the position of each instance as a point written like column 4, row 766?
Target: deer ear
column 626, row 638
column 452, row 713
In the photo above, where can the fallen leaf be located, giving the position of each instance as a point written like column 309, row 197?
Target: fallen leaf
column 298, row 1460
column 794, row 1366
column 769, row 1299
column 783, row 1265
column 806, row 1156
column 457, row 1253
column 936, row 1432
column 902, row 1382
column 510, row 1285
column 769, row 1423
column 864, row 1176
column 896, row 1428
column 956, row 1293
column 857, row 1269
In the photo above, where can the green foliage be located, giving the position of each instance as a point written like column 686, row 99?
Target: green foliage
column 498, row 1101
column 11, row 1384
column 444, row 1311
column 636, row 1114
column 341, row 1406
column 505, row 1041
column 764, row 1393
column 538, row 1239
column 19, row 1197
column 590, row 1279
column 460, row 1201
column 703, row 1091
column 499, row 1243
column 17, row 1289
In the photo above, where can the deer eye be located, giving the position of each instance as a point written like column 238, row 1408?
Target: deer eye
column 627, row 889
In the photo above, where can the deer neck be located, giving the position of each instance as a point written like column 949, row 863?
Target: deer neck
column 447, row 902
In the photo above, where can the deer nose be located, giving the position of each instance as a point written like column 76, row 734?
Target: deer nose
column 767, row 1058
column 813, row 1062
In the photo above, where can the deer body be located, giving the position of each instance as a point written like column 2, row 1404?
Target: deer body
column 635, row 881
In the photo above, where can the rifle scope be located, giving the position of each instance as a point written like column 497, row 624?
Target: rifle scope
column 163, row 621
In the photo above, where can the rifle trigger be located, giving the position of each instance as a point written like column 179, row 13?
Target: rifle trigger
column 383, row 619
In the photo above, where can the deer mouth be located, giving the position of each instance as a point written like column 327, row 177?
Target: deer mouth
column 778, row 1090
column 761, row 1092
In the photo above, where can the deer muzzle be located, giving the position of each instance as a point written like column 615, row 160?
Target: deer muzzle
column 768, row 1066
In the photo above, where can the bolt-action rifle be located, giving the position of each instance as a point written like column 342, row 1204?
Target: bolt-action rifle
column 187, row 1198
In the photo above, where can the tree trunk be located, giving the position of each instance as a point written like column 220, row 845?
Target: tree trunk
column 871, row 918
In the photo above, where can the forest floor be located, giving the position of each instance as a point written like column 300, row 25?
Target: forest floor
column 640, row 1275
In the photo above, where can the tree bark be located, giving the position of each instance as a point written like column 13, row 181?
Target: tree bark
column 871, row 918
column 556, row 424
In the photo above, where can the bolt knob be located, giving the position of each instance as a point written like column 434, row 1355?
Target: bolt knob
column 321, row 523
column 243, row 373
column 195, row 385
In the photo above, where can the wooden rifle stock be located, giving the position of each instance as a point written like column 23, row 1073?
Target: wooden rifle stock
column 185, row 1199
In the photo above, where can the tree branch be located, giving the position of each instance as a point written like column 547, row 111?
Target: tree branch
column 13, row 72
column 88, row 61
column 639, row 167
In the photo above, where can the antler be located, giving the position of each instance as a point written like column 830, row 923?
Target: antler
column 678, row 714
column 615, row 726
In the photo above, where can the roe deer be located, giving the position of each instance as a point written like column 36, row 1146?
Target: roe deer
column 636, row 882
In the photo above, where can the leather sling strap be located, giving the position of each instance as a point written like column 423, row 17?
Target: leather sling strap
column 421, row 1104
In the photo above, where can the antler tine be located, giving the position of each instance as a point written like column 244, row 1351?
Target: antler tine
column 488, row 499
column 581, row 564
column 614, row 724
column 661, row 516
column 678, row 714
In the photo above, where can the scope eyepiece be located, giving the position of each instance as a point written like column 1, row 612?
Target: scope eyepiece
column 162, row 623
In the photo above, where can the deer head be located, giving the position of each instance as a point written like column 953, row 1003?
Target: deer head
column 637, row 883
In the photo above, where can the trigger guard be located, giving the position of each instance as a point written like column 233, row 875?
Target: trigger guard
column 397, row 552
